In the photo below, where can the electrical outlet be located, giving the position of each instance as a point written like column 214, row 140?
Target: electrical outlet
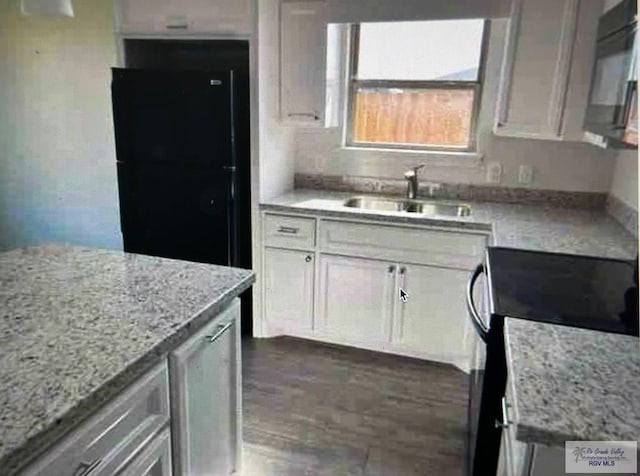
column 494, row 172
column 525, row 174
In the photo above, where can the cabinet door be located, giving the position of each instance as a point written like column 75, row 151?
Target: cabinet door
column 539, row 65
column 289, row 279
column 143, row 16
column 205, row 398
column 303, row 41
column 202, row 16
column 433, row 318
column 355, row 299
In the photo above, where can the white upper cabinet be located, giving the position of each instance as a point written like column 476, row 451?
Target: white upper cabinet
column 546, row 71
column 303, row 32
column 184, row 16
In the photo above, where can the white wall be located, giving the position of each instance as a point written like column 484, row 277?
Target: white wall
column 57, row 159
column 277, row 142
column 624, row 185
column 557, row 165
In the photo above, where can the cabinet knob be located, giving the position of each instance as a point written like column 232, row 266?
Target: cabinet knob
column 391, row 269
column 403, row 270
column 308, row 259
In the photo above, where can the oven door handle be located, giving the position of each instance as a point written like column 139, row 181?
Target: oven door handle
column 481, row 328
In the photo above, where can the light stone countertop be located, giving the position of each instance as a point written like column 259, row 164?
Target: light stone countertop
column 531, row 227
column 78, row 325
column 572, row 384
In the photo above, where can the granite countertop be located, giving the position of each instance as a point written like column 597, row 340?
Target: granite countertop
column 572, row 384
column 77, row 325
column 532, row 227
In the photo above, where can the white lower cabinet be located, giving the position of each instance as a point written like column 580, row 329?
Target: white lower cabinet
column 205, row 399
column 183, row 419
column 352, row 295
column 289, row 282
column 433, row 317
column 518, row 458
column 355, row 299
column 110, row 440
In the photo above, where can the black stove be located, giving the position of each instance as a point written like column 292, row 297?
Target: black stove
column 578, row 291
column 569, row 290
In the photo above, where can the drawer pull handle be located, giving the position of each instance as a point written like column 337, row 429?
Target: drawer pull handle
column 288, row 229
column 84, row 469
column 304, row 114
column 505, row 423
column 222, row 328
column 308, row 259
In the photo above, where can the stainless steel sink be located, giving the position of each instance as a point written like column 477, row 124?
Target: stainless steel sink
column 419, row 207
column 375, row 203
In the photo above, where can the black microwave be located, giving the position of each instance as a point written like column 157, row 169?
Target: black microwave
column 612, row 111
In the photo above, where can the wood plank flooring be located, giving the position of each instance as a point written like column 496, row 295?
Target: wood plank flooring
column 317, row 409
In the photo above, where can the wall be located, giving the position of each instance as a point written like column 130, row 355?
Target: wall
column 557, row 165
column 624, row 185
column 57, row 160
column 277, row 142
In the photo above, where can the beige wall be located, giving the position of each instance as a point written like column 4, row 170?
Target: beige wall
column 557, row 165
column 57, row 159
column 625, row 177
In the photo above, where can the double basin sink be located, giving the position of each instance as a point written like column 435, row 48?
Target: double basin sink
column 419, row 207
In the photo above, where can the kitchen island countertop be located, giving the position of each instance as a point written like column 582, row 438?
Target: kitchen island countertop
column 532, row 227
column 77, row 325
column 572, row 384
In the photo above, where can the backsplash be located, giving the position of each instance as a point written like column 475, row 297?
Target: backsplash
column 478, row 193
column 623, row 213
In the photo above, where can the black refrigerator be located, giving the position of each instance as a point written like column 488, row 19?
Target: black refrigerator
column 177, row 164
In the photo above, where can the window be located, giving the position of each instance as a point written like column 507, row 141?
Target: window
column 415, row 85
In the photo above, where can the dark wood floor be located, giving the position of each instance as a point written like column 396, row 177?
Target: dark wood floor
column 316, row 409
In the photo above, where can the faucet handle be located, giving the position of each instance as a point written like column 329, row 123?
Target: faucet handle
column 413, row 171
column 432, row 187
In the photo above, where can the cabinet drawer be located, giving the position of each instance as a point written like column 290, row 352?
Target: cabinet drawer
column 155, row 460
column 403, row 244
column 108, row 441
column 289, row 232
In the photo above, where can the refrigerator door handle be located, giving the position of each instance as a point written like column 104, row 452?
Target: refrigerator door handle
column 481, row 328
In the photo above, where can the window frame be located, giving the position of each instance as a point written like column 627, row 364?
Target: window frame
column 354, row 83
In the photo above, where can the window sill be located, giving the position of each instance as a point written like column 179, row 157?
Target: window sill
column 434, row 157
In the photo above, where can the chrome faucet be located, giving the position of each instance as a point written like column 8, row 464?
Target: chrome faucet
column 411, row 176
